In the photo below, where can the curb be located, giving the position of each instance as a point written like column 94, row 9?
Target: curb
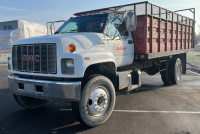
column 193, row 68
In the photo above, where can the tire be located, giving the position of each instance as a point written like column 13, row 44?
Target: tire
column 165, row 74
column 175, row 71
column 29, row 102
column 96, row 103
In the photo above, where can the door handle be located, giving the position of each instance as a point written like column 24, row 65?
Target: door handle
column 130, row 42
column 100, row 42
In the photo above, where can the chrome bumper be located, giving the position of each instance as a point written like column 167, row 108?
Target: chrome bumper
column 42, row 89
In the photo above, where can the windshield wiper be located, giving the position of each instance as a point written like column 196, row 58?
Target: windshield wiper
column 74, row 30
column 78, row 30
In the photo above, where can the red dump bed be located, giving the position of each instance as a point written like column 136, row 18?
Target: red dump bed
column 154, row 34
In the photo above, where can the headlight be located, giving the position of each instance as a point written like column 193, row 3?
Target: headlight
column 9, row 64
column 70, row 63
column 67, row 66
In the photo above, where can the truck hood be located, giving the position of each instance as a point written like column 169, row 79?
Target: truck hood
column 80, row 40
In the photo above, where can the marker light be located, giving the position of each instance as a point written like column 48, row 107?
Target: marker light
column 71, row 47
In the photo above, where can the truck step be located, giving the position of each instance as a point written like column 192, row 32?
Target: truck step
column 133, row 87
column 129, row 81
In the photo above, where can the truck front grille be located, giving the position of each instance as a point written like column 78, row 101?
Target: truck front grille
column 34, row 58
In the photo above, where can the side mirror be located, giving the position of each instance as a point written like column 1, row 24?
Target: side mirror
column 131, row 22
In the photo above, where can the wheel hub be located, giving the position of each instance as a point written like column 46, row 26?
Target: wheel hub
column 178, row 73
column 97, row 102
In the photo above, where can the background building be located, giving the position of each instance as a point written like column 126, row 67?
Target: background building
column 18, row 29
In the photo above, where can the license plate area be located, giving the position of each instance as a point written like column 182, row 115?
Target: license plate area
column 29, row 87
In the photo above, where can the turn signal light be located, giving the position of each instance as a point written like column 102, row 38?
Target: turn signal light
column 71, row 47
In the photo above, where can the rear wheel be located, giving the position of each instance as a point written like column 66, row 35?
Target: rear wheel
column 97, row 102
column 175, row 71
column 29, row 102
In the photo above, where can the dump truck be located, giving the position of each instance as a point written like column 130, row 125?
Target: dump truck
column 98, row 53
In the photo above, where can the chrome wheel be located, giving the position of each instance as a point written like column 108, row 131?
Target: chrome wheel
column 97, row 102
column 178, row 72
column 175, row 70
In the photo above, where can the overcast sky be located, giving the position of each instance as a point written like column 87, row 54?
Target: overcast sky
column 42, row 11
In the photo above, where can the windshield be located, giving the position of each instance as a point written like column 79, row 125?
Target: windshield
column 91, row 23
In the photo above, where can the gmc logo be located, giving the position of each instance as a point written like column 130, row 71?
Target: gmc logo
column 30, row 58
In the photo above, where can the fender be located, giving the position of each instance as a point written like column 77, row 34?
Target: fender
column 93, row 57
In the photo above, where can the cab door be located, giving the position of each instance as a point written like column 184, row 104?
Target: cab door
column 119, row 41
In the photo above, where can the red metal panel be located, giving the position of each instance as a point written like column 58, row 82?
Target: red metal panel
column 187, row 37
column 183, row 37
column 162, row 36
column 155, row 35
column 174, row 36
column 191, row 35
column 166, row 33
column 189, row 45
column 140, row 35
column 179, row 37
column 169, row 37
column 155, row 45
column 172, row 33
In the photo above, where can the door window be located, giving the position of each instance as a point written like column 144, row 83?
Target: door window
column 117, row 26
column 112, row 30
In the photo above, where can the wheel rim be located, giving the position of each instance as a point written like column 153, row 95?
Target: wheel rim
column 97, row 102
column 178, row 72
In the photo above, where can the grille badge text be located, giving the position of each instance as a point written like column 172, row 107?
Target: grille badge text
column 30, row 58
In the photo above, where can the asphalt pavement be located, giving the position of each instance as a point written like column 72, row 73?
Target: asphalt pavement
column 154, row 109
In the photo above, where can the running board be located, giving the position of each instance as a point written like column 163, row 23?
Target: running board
column 133, row 87
column 128, row 81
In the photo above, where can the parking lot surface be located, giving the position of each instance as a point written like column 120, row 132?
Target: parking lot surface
column 154, row 109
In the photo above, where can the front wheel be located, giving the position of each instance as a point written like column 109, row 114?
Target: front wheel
column 96, row 103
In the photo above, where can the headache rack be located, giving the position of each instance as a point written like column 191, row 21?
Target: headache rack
column 160, row 32
column 148, row 8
